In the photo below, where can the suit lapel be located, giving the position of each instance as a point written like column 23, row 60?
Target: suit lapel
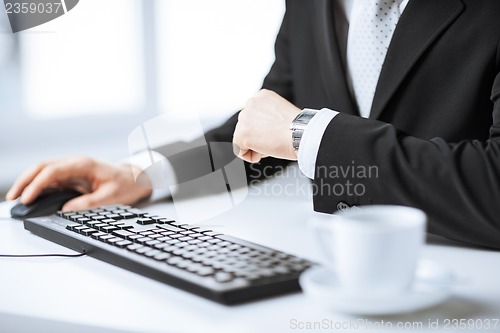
column 420, row 24
column 327, row 49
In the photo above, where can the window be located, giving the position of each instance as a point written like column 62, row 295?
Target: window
column 213, row 55
column 81, row 83
column 89, row 61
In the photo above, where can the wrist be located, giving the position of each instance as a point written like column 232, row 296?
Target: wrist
column 298, row 126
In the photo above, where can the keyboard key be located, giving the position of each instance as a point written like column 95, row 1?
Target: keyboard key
column 116, row 224
column 163, row 221
column 96, row 235
column 143, row 249
column 92, row 223
column 109, row 228
column 175, row 236
column 101, row 225
column 205, row 271
column 155, row 236
column 143, row 240
column 114, row 240
column 152, row 253
column 145, row 221
column 183, row 263
column 193, row 267
column 170, row 248
column 152, row 242
column 125, row 227
column 122, row 233
column 105, row 237
column 135, row 237
column 179, row 252
column 134, row 247
column 136, row 212
column 162, row 256
column 80, row 228
column 188, row 255
column 192, row 227
column 72, row 225
column 88, row 232
column 179, row 225
column 212, row 233
column 169, row 227
column 127, row 215
column 160, row 246
column 174, row 260
column 108, row 220
column 123, row 243
column 223, row 277
column 65, row 215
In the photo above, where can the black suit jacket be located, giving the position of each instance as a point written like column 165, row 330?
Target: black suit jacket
column 434, row 129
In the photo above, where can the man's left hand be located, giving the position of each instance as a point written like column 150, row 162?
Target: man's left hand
column 263, row 128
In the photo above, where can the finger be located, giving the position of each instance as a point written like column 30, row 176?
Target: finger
column 251, row 156
column 242, row 153
column 95, row 199
column 52, row 174
column 256, row 157
column 23, row 181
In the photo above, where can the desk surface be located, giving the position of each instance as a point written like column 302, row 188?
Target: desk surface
column 90, row 292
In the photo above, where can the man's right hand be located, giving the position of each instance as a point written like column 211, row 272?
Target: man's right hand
column 101, row 183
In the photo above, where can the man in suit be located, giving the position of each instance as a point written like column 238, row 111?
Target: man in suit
column 422, row 106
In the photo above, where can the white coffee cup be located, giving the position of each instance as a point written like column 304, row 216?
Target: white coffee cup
column 372, row 250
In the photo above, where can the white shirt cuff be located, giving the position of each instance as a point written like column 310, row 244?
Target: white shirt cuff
column 311, row 139
column 158, row 169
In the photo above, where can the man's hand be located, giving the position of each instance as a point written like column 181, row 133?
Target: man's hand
column 101, row 183
column 263, row 128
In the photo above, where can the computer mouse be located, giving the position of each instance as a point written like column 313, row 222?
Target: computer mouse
column 47, row 203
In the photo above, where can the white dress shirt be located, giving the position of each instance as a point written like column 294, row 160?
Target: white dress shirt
column 313, row 133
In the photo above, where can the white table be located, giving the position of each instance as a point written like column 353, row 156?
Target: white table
column 71, row 294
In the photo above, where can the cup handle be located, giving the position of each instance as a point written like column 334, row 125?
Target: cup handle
column 322, row 231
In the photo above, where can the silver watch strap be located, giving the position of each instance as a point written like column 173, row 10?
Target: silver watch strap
column 299, row 124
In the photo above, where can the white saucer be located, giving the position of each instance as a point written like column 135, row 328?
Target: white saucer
column 431, row 286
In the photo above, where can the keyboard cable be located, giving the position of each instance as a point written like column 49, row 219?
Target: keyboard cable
column 42, row 255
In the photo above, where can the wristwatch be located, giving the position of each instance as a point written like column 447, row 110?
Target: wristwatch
column 298, row 125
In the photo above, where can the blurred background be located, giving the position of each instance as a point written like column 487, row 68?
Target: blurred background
column 81, row 83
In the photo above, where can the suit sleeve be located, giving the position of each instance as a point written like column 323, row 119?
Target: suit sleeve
column 457, row 184
column 195, row 163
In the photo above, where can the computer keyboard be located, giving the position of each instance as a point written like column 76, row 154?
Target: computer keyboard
column 208, row 263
